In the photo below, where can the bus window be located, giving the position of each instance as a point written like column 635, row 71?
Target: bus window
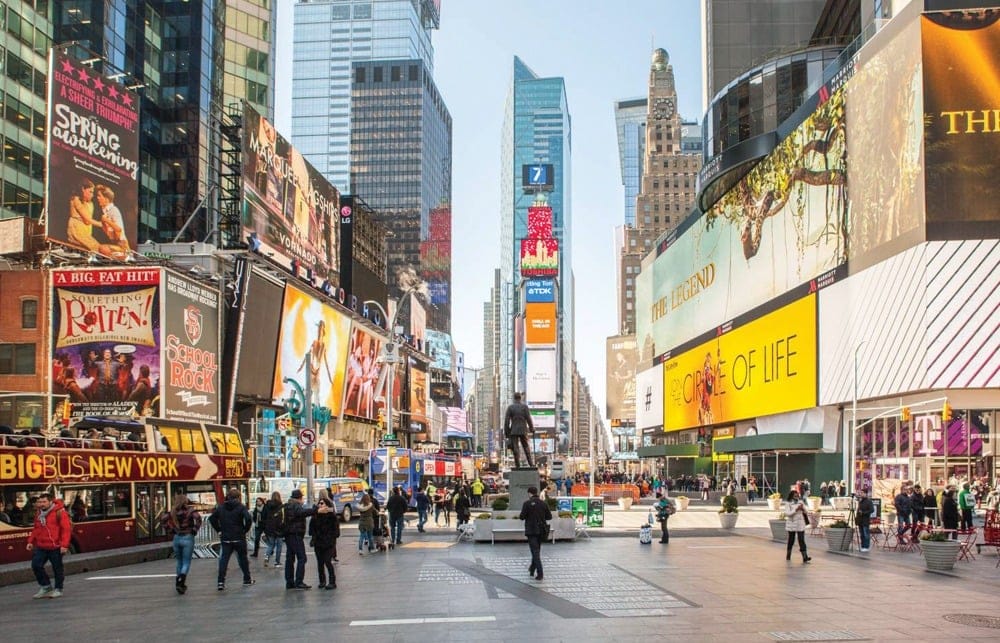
column 183, row 440
column 19, row 505
column 225, row 440
column 97, row 502
column 200, row 494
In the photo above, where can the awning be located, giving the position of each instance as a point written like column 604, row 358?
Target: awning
column 771, row 442
column 670, row 451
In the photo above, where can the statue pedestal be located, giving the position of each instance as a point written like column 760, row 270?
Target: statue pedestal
column 520, row 480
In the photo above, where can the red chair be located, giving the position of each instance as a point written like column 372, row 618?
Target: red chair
column 968, row 540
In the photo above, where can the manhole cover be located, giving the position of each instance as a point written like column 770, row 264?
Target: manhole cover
column 974, row 620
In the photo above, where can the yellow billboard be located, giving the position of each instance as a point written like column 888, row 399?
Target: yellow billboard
column 763, row 367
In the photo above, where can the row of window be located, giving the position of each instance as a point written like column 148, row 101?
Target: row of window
column 20, row 201
column 25, row 31
column 395, row 74
column 22, row 115
column 17, row 359
column 23, row 73
column 23, row 159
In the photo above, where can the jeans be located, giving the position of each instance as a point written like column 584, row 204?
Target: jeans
column 257, row 533
column 396, row 528
column 535, row 547
column 240, row 547
column 421, row 518
column 183, row 550
column 365, row 535
column 274, row 545
column 865, row 532
column 902, row 522
column 802, row 544
column 966, row 519
column 665, row 537
column 324, row 558
column 295, row 560
column 438, row 509
column 38, row 559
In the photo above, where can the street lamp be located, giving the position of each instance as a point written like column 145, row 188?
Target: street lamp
column 852, row 437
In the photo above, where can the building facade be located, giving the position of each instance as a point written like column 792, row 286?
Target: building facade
column 630, row 122
column 248, row 57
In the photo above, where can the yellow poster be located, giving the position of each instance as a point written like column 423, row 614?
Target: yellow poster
column 763, row 367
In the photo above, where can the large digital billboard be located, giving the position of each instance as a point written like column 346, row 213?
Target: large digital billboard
column 310, row 327
column 106, row 341
column 620, row 367
column 540, row 324
column 190, row 350
column 539, row 257
column 417, row 396
column 540, row 377
column 540, row 291
column 261, row 297
column 287, row 204
column 92, row 193
column 439, row 347
column 763, row 367
column 649, row 398
column 364, row 372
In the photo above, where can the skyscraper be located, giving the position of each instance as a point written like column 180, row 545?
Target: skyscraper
column 630, row 121
column 248, row 66
column 536, row 129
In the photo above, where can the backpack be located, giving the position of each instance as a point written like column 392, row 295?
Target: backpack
column 277, row 522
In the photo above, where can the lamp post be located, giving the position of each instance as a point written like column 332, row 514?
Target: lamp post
column 852, row 437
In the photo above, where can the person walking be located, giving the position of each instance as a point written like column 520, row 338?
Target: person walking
column 271, row 517
column 967, row 503
column 49, row 542
column 535, row 515
column 183, row 521
column 902, row 505
column 949, row 512
column 477, row 488
column 916, row 509
column 863, row 520
column 930, row 506
column 233, row 522
column 517, row 425
column 796, row 519
column 366, row 524
column 324, row 530
column 258, row 525
column 423, row 506
column 664, row 509
column 463, row 508
column 295, row 532
column 396, row 507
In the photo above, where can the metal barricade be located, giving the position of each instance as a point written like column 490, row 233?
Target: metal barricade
column 206, row 542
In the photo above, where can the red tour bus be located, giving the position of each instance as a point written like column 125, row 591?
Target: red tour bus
column 115, row 477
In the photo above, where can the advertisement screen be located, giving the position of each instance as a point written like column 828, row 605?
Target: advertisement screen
column 364, row 371
column 190, row 350
column 540, row 377
column 539, row 257
column 540, row 324
column 961, row 121
column 543, row 418
column 92, row 193
column 539, row 291
column 418, row 397
column 764, row 367
column 106, row 341
column 621, row 362
column 291, row 208
column 539, row 222
column 261, row 328
column 649, row 397
column 439, row 347
column 310, row 327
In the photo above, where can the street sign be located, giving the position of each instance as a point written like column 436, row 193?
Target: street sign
column 307, row 437
column 388, row 443
column 389, row 436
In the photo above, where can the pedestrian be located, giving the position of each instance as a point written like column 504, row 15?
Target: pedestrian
column 477, row 488
column 438, row 505
column 517, row 424
column 863, row 519
column 233, row 522
column 183, row 521
column 258, row 525
column 294, row 522
column 271, row 516
column 796, row 519
column 949, row 512
column 324, row 529
column 366, row 524
column 535, row 515
column 930, row 506
column 396, row 507
column 902, row 505
column 967, row 503
column 448, row 502
column 664, row 509
column 916, row 508
column 48, row 542
column 423, row 506
column 463, row 508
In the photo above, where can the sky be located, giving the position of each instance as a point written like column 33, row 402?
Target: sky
column 602, row 49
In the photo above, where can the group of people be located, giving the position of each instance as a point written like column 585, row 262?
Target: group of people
column 952, row 507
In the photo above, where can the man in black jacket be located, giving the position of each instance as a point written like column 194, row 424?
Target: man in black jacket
column 295, row 531
column 232, row 520
column 535, row 515
column 396, row 506
column 516, row 426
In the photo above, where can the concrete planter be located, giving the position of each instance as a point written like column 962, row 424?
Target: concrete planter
column 728, row 521
column 940, row 556
column 838, row 538
column 682, row 502
column 774, row 504
column 563, row 528
column 625, row 503
column 841, row 503
column 814, row 503
column 778, row 531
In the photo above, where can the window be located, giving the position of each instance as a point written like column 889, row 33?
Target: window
column 100, row 502
column 17, row 359
column 29, row 313
column 183, row 440
column 359, row 75
column 394, row 73
column 377, row 76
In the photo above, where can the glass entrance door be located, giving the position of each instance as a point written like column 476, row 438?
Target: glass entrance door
column 150, row 502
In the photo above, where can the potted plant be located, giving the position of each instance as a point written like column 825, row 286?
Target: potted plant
column 774, row 501
column 625, row 503
column 563, row 526
column 940, row 552
column 814, row 502
column 682, row 502
column 839, row 536
column 777, row 525
column 729, row 513
column 500, row 503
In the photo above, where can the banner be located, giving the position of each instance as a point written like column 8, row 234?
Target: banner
column 364, row 372
column 649, row 398
column 92, row 193
column 539, row 257
column 539, row 222
column 309, row 326
column 22, row 466
column 540, row 377
column 191, row 350
column 621, row 363
column 287, row 204
column 540, row 324
column 764, row 367
column 543, row 419
column 106, row 341
column 418, row 397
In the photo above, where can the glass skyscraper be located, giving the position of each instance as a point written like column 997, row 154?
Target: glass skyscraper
column 630, row 121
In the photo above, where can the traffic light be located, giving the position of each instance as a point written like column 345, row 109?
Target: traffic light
column 317, row 456
column 946, row 412
column 381, row 418
column 905, row 414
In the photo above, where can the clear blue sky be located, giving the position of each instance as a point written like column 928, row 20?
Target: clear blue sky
column 602, row 48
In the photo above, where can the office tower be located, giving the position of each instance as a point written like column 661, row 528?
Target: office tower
column 536, row 130
column 630, row 121
column 248, row 67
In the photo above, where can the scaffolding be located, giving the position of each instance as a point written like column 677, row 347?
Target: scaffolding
column 231, row 177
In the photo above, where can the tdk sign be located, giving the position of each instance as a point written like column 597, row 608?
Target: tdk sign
column 539, row 291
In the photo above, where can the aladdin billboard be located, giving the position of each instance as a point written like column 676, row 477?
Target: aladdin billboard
column 92, row 189
column 287, row 204
column 190, row 350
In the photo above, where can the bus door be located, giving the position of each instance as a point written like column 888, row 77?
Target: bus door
column 150, row 502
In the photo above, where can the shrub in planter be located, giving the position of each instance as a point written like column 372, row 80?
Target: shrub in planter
column 500, row 503
column 939, row 551
column 483, row 516
column 729, row 512
column 774, row 501
column 778, row 531
column 839, row 536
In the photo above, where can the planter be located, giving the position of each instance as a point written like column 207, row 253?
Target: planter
column 563, row 528
column 728, row 521
column 841, row 503
column 838, row 538
column 774, row 504
column 778, row 531
column 625, row 503
column 940, row 556
column 814, row 503
column 682, row 502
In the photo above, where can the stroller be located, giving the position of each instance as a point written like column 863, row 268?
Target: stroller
column 381, row 532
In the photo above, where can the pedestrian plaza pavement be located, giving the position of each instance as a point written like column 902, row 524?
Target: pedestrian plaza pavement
column 705, row 585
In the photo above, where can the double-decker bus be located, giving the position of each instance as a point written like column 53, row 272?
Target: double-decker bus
column 115, row 477
column 407, row 469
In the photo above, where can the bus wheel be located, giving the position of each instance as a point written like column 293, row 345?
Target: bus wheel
column 346, row 513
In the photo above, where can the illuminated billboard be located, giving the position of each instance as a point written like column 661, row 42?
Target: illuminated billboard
column 310, row 327
column 540, row 377
column 287, row 204
column 417, row 396
column 539, row 222
column 92, row 189
column 649, row 397
column 190, row 386
column 540, row 291
column 363, row 374
column 763, row 367
column 620, row 364
column 539, row 257
column 540, row 324
column 440, row 348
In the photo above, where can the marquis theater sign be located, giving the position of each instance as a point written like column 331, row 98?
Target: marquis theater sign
column 33, row 465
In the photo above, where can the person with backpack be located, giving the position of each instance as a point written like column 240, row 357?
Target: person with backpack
column 183, row 521
column 324, row 530
column 271, row 517
column 49, row 542
column 233, row 522
column 664, row 509
column 293, row 528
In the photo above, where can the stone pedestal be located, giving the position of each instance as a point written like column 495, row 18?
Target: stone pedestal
column 520, row 480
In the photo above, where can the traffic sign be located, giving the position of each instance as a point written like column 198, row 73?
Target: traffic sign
column 388, row 443
column 307, row 437
column 389, row 436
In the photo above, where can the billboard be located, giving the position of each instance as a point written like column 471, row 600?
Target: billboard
column 539, row 222
column 259, row 342
column 540, row 324
column 364, row 372
column 92, row 189
column 311, row 327
column 620, row 362
column 440, row 348
column 418, row 397
column 540, row 291
column 540, row 377
column 287, row 204
column 649, row 398
column 106, row 341
column 544, row 419
column 763, row 367
column 190, row 350
column 539, row 176
column 961, row 120
column 539, row 257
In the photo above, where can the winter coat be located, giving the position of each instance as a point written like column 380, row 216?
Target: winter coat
column 325, row 530
column 55, row 532
column 863, row 515
column 949, row 513
column 188, row 521
column 232, row 520
column 535, row 513
column 270, row 516
column 366, row 519
column 396, row 506
column 795, row 517
column 295, row 518
column 463, row 507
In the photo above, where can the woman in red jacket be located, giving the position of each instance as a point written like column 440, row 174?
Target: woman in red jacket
column 49, row 539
